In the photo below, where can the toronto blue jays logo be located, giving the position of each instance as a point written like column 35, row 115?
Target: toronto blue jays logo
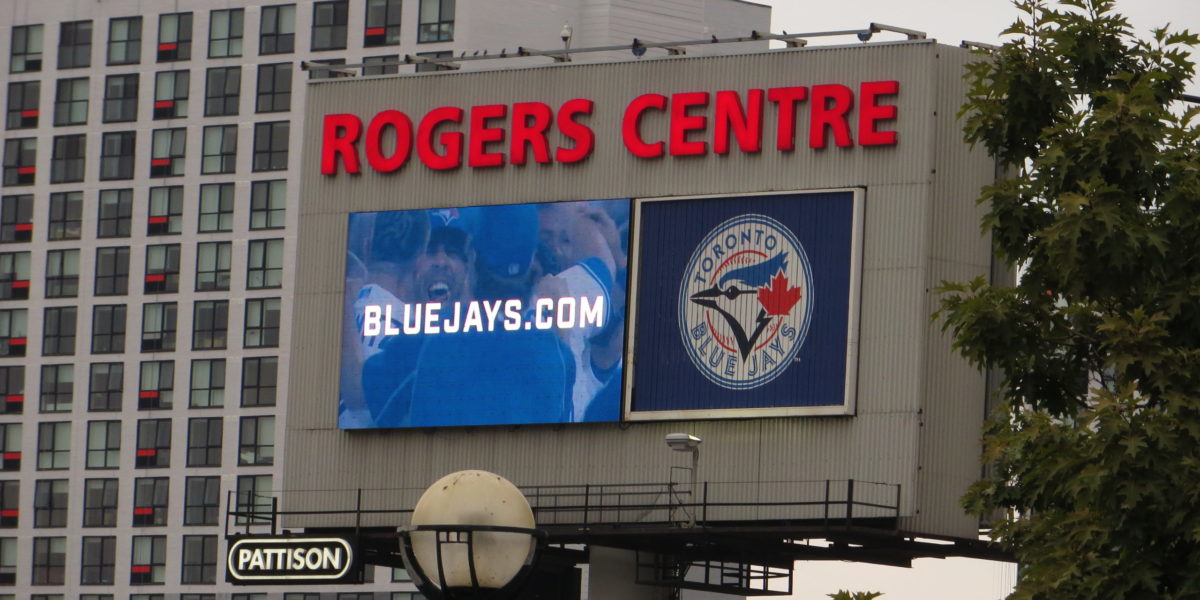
column 745, row 302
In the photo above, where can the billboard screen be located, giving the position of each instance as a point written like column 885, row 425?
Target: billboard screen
column 484, row 315
column 746, row 306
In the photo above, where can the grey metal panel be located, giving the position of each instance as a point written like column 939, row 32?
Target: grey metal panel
column 880, row 444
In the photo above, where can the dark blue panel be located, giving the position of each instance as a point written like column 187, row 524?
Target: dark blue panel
column 743, row 302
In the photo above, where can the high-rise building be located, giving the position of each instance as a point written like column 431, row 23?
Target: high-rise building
column 149, row 171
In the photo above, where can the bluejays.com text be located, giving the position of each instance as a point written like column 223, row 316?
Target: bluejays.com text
column 482, row 315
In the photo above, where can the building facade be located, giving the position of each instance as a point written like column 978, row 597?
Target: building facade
column 150, row 152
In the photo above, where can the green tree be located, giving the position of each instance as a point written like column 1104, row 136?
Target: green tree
column 845, row 595
column 1094, row 482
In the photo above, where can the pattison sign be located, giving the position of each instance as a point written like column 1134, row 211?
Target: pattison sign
column 292, row 559
column 698, row 123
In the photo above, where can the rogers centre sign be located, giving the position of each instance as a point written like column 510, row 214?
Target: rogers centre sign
column 493, row 135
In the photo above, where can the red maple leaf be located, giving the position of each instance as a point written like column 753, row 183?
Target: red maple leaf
column 777, row 298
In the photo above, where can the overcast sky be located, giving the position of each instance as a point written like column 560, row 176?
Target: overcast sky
column 950, row 22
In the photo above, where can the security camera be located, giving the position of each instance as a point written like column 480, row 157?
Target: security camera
column 683, row 442
column 566, row 34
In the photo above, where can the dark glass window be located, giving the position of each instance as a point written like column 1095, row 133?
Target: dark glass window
column 202, row 500
column 66, row 216
column 12, row 332
column 174, row 37
column 262, row 323
column 153, row 443
column 156, row 385
column 383, row 23
column 167, row 150
column 220, row 150
column 100, row 502
column 124, row 41
column 10, row 503
column 329, row 25
column 150, row 497
column 67, row 159
column 436, row 21
column 428, row 67
column 58, row 386
column 264, row 268
column 162, row 269
column 104, row 444
column 171, row 94
column 26, row 54
column 20, row 163
column 260, row 376
column 58, row 331
column 213, row 261
column 381, row 65
column 116, row 155
column 268, row 204
column 75, row 45
column 277, row 34
column 216, row 207
column 271, row 146
column 98, row 560
column 14, row 276
column 256, row 442
column 158, row 327
column 204, row 442
column 120, row 98
column 112, row 271
column 10, row 439
column 115, row 213
column 222, row 92
column 62, row 273
column 253, row 496
column 54, row 446
column 149, row 562
column 71, row 101
column 328, row 71
column 208, row 383
column 274, row 88
column 210, row 324
column 199, row 559
column 108, row 329
column 225, row 32
column 50, row 503
column 106, row 384
column 49, row 560
column 166, row 210
column 23, row 99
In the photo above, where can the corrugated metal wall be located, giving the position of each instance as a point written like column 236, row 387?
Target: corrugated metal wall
column 910, row 212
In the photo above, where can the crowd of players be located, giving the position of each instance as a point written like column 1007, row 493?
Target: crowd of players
column 525, row 252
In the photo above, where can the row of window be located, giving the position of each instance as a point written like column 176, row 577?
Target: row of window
column 156, row 385
column 167, row 153
column 98, row 559
column 264, row 269
column 277, row 33
column 171, row 93
column 114, row 211
column 210, row 323
column 256, row 447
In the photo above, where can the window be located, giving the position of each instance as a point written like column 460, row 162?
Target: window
column 71, row 101
column 50, row 503
column 166, row 210
column 62, row 273
column 158, row 327
column 383, row 23
column 220, row 149
column 116, row 155
column 271, row 146
column 157, row 384
column 315, row 71
column 26, row 55
column 58, row 385
column 10, row 444
column 213, row 265
column 16, row 218
column 58, row 331
column 12, row 395
column 426, row 67
column 174, row 37
column 277, row 34
column 264, row 268
column 253, row 497
column 12, row 332
column 23, row 104
column 262, row 323
column 14, row 276
column 54, row 445
column 75, row 45
column 108, row 329
column 201, row 500
column 112, row 271
column 225, row 33
column 99, row 555
column 66, row 161
column 104, row 444
column 208, row 383
column 20, row 160
column 329, row 25
column 256, row 443
column 274, row 88
column 150, row 501
column 125, row 41
column 223, row 90
column 204, row 442
column 149, row 562
column 199, row 559
column 115, row 214
column 66, row 216
column 381, row 65
column 10, row 503
column 170, row 94
column 153, row 443
column 268, row 204
column 49, row 560
column 100, row 502
column 167, row 150
column 106, row 382
column 162, row 269
column 120, row 98
column 260, row 376
column 436, row 21
column 210, row 322
column 216, row 207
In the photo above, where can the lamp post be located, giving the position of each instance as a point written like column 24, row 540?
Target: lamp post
column 686, row 442
column 472, row 536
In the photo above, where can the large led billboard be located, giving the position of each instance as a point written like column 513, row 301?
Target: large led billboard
column 484, row 315
column 746, row 306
